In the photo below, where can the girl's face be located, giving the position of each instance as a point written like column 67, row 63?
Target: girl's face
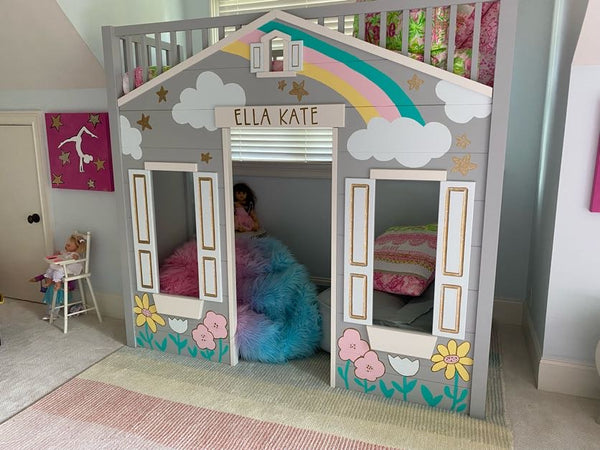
column 71, row 246
column 240, row 196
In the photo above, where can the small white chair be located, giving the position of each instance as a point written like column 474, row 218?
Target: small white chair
column 84, row 275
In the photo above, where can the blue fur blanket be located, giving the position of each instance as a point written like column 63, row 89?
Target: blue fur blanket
column 278, row 312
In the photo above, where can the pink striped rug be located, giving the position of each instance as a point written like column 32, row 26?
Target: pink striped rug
column 138, row 399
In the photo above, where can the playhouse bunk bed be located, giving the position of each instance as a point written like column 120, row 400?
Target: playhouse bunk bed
column 428, row 109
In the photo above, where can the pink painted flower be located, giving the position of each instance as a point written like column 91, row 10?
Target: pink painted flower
column 216, row 324
column 368, row 367
column 203, row 337
column 351, row 345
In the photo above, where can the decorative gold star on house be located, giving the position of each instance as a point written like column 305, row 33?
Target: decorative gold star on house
column 57, row 179
column 64, row 157
column 281, row 85
column 162, row 94
column 91, row 184
column 206, row 157
column 298, row 90
column 56, row 123
column 144, row 122
column 463, row 165
column 415, row 83
column 462, row 141
column 94, row 119
column 99, row 164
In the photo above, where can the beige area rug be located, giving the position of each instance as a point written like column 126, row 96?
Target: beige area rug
column 137, row 398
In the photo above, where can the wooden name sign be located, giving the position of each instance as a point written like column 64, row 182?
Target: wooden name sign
column 304, row 116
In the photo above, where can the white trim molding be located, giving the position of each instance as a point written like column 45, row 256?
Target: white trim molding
column 567, row 377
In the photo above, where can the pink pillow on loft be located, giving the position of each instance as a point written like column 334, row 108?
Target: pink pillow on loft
column 404, row 261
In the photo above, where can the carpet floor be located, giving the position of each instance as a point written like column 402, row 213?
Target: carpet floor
column 137, row 398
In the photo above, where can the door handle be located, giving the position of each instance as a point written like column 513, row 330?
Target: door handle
column 33, row 218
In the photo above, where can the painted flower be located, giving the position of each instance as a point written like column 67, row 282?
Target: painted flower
column 453, row 359
column 178, row 325
column 146, row 313
column 404, row 366
column 216, row 324
column 203, row 337
column 368, row 367
column 351, row 345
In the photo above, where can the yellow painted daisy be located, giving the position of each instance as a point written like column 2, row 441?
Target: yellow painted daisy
column 146, row 313
column 453, row 359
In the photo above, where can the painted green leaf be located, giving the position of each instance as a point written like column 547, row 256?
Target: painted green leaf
column 398, row 387
column 461, row 408
column 139, row 341
column 411, row 385
column 162, row 346
column 448, row 392
column 387, row 393
column 462, row 395
column 193, row 351
column 428, row 396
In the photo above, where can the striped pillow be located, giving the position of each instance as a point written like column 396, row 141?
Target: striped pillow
column 404, row 261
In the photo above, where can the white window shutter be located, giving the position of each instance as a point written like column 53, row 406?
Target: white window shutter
column 358, row 250
column 256, row 58
column 453, row 256
column 144, row 232
column 207, row 232
column 295, row 56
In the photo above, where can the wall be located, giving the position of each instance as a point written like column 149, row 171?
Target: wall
column 567, row 23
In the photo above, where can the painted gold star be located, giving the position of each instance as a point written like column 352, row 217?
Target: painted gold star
column 462, row 141
column 281, row 85
column 144, row 122
column 91, row 184
column 206, row 157
column 99, row 164
column 463, row 165
column 298, row 90
column 56, row 123
column 57, row 179
column 162, row 94
column 64, row 157
column 94, row 119
column 415, row 83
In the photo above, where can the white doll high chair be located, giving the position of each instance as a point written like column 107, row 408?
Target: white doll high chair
column 84, row 275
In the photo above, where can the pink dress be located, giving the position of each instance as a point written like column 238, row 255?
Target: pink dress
column 243, row 219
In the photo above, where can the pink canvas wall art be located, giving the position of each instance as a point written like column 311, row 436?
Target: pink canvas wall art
column 595, row 202
column 79, row 151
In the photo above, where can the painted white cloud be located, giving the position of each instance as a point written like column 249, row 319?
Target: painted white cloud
column 131, row 138
column 197, row 106
column 463, row 104
column 404, row 366
column 406, row 140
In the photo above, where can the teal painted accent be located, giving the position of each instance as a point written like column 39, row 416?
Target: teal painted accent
column 207, row 354
column 193, row 351
column 162, row 346
column 455, row 396
column 146, row 336
column 222, row 350
column 180, row 344
column 406, row 388
column 344, row 374
column 428, row 396
column 387, row 392
column 139, row 341
column 365, row 385
column 402, row 101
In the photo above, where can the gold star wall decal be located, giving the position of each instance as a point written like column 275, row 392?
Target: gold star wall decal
column 162, row 94
column 64, row 157
column 99, row 164
column 56, row 123
column 298, row 90
column 462, row 141
column 57, row 179
column 144, row 122
column 281, row 85
column 206, row 157
column 91, row 184
column 415, row 83
column 94, row 119
column 463, row 165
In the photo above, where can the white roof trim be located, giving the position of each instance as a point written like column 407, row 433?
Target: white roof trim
column 318, row 29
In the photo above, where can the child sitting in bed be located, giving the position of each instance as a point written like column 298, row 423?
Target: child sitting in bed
column 244, row 201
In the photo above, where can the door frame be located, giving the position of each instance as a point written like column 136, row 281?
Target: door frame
column 35, row 119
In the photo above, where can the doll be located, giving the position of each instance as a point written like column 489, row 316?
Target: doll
column 244, row 202
column 74, row 249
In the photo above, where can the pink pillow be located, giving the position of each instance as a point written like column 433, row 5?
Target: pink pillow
column 405, row 259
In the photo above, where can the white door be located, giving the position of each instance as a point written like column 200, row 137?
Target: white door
column 23, row 245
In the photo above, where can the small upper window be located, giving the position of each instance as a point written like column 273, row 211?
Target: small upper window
column 276, row 56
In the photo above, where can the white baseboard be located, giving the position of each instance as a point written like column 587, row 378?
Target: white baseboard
column 508, row 312
column 569, row 378
column 563, row 377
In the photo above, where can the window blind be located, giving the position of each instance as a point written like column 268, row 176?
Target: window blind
column 302, row 145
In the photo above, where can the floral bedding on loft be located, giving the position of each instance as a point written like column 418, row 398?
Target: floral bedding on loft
column 465, row 19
